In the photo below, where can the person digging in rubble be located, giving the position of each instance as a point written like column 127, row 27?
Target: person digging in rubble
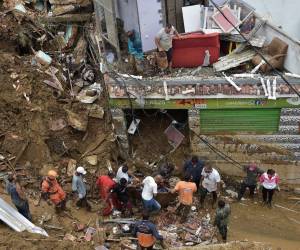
column 105, row 183
column 53, row 191
column 269, row 182
column 79, row 187
column 123, row 172
column 163, row 41
column 210, row 183
column 18, row 195
column 146, row 233
column 149, row 192
column 194, row 168
column 222, row 218
column 250, row 181
column 119, row 198
column 185, row 189
column 165, row 170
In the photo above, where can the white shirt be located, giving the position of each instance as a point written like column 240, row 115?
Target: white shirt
column 150, row 188
column 165, row 39
column 121, row 175
column 210, row 181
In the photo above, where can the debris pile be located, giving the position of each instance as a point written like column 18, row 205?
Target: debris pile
column 197, row 230
column 52, row 101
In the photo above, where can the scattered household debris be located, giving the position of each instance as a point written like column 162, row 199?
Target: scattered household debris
column 229, row 79
column 133, row 126
column 233, row 60
column 222, row 22
column 275, row 53
column 175, row 137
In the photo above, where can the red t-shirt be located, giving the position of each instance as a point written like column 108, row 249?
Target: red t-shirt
column 105, row 184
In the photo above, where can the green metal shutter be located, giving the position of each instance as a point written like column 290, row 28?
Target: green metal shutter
column 239, row 120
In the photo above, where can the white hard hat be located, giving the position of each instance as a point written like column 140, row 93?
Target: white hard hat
column 80, row 170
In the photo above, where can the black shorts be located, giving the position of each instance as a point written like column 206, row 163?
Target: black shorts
column 169, row 54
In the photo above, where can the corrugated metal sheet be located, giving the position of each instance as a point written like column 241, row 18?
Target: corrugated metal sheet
column 239, row 120
column 16, row 221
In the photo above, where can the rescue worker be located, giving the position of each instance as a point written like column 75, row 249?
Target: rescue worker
column 185, row 189
column 53, row 191
column 163, row 41
column 149, row 192
column 18, row 196
column 269, row 182
column 194, row 167
column 79, row 187
column 250, row 181
column 105, row 183
column 119, row 198
column 123, row 173
column 147, row 233
column 222, row 218
column 210, row 183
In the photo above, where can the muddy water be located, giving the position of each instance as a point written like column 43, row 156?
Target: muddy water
column 253, row 222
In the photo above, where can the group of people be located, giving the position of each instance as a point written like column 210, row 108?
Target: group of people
column 199, row 176
column 269, row 182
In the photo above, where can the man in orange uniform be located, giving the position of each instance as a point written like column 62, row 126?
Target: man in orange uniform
column 53, row 191
column 105, row 183
column 186, row 189
column 147, row 233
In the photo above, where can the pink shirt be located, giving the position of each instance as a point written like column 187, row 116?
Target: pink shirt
column 267, row 182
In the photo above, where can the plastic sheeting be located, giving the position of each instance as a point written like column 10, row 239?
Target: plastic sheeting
column 16, row 221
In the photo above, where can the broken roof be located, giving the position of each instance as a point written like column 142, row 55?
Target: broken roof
column 191, row 87
column 16, row 221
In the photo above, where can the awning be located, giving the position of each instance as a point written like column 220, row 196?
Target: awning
column 16, row 221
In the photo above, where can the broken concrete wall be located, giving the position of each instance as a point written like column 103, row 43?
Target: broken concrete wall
column 119, row 124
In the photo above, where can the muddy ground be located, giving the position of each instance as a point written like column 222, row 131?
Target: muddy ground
column 250, row 221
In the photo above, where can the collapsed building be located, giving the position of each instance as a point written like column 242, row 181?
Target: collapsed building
column 55, row 112
column 252, row 115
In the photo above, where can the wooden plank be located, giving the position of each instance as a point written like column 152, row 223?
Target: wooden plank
column 171, row 11
column 179, row 17
column 69, row 18
column 233, row 60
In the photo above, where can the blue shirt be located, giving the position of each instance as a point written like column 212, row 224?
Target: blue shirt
column 194, row 171
column 146, row 227
column 135, row 46
column 78, row 186
column 12, row 191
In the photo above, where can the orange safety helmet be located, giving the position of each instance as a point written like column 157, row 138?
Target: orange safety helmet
column 52, row 174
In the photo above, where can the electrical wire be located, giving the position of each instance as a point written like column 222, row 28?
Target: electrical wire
column 219, row 152
column 256, row 50
column 214, row 149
